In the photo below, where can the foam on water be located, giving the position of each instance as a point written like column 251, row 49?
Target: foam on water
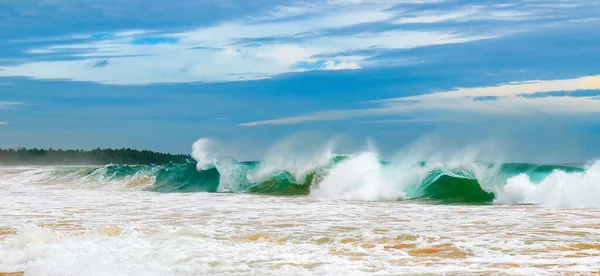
column 54, row 230
column 318, row 171
column 348, row 214
column 362, row 177
column 574, row 189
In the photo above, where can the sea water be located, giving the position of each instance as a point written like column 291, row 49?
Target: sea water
column 325, row 215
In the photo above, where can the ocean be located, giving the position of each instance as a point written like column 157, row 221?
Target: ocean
column 331, row 215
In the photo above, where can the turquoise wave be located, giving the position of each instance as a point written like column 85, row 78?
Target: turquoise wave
column 457, row 184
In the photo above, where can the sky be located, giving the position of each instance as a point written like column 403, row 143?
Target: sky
column 520, row 75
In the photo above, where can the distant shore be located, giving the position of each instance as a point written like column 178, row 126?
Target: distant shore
column 78, row 157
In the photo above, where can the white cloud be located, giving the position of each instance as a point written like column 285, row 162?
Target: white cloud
column 290, row 11
column 387, row 2
column 513, row 89
column 468, row 13
column 396, row 39
column 435, row 17
column 509, row 101
column 414, row 120
column 3, row 123
column 129, row 33
column 320, row 116
column 285, row 53
column 555, row 5
column 223, row 61
column 252, row 48
column 508, row 15
column 226, row 33
column 303, row 8
column 342, row 65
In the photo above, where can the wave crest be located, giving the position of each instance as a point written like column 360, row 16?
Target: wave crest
column 323, row 174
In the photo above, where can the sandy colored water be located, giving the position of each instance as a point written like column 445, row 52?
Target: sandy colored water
column 72, row 230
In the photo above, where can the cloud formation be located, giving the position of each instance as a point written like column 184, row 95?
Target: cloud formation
column 342, row 65
column 273, row 41
column 514, row 99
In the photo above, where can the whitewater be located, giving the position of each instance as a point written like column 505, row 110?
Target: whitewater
column 302, row 212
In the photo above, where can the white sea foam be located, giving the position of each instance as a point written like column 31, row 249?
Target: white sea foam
column 573, row 189
column 83, row 221
column 362, row 177
column 81, row 177
column 61, row 231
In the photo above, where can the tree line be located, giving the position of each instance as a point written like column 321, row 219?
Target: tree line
column 23, row 156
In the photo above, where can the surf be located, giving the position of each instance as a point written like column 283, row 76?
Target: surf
column 321, row 173
column 360, row 177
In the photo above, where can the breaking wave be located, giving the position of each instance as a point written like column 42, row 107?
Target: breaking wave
column 361, row 176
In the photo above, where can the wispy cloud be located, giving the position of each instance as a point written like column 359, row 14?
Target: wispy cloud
column 276, row 41
column 282, row 12
column 9, row 104
column 175, row 63
column 514, row 89
column 83, row 36
column 436, row 17
column 469, row 13
column 507, row 99
column 342, row 65
column 412, row 120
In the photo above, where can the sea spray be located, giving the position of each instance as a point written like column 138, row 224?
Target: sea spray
column 361, row 177
column 294, row 158
column 286, row 170
column 357, row 177
column 559, row 188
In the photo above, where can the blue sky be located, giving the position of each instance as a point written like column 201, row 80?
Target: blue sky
column 157, row 75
